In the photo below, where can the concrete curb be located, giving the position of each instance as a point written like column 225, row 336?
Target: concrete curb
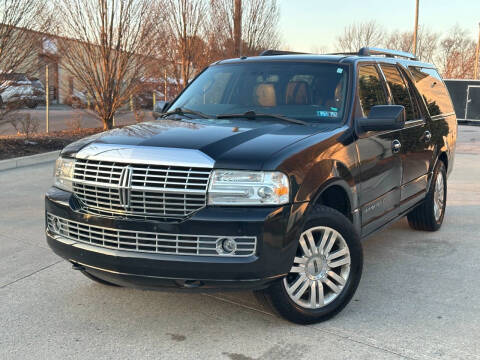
column 28, row 160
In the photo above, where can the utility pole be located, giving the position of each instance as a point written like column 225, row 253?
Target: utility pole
column 165, row 84
column 415, row 31
column 477, row 54
column 47, row 99
column 237, row 28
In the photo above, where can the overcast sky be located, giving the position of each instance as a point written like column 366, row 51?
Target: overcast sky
column 308, row 25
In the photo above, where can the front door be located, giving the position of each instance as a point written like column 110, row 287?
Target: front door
column 472, row 111
column 379, row 156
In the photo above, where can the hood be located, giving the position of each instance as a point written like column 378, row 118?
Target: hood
column 231, row 143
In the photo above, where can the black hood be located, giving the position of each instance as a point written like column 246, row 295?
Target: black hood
column 231, row 143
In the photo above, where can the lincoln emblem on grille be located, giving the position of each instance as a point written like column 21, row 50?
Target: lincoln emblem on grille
column 124, row 186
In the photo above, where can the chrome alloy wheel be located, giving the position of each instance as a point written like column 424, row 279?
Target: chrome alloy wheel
column 320, row 270
column 438, row 197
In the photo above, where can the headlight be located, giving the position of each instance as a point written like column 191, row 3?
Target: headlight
column 237, row 187
column 64, row 173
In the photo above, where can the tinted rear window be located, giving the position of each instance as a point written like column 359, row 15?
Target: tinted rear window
column 399, row 89
column 433, row 90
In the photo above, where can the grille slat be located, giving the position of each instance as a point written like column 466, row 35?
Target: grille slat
column 200, row 245
column 154, row 190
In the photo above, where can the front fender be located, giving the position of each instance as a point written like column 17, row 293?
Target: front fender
column 323, row 175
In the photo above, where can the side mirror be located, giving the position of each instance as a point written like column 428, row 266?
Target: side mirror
column 384, row 117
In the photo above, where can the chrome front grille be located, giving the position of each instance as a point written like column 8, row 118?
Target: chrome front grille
column 114, row 188
column 150, row 242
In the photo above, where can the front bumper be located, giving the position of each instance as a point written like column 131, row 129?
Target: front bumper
column 274, row 227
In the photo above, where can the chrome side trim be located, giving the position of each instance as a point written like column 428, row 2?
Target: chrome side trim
column 145, row 155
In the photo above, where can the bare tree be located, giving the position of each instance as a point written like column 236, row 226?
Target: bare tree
column 22, row 23
column 427, row 43
column 259, row 28
column 456, row 55
column 107, row 47
column 185, row 19
column 319, row 49
column 356, row 36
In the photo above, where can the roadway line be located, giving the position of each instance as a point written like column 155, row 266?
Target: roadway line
column 331, row 333
column 33, row 273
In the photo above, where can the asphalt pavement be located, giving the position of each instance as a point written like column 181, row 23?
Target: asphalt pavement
column 418, row 298
column 62, row 117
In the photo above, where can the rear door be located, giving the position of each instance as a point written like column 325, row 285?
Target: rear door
column 415, row 137
column 380, row 164
column 436, row 102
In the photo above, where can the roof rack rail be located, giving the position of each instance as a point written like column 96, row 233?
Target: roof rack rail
column 279, row 52
column 368, row 51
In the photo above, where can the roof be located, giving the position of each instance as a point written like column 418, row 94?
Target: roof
column 364, row 54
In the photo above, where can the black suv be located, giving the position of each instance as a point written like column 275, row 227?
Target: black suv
column 265, row 173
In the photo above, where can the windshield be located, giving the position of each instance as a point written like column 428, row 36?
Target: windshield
column 312, row 92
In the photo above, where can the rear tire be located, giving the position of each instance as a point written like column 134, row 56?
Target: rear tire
column 98, row 280
column 326, row 270
column 429, row 215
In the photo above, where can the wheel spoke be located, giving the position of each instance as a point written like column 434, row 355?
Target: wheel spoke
column 305, row 248
column 336, row 277
column 332, row 240
column 302, row 290
column 321, row 300
column 300, row 260
column 337, row 254
column 313, row 294
column 311, row 242
column 332, row 286
column 344, row 261
column 297, row 269
column 296, row 284
column 325, row 237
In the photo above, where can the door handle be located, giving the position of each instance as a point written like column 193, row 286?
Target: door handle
column 427, row 136
column 396, row 146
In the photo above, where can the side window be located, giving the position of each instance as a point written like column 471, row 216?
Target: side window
column 399, row 89
column 433, row 90
column 370, row 88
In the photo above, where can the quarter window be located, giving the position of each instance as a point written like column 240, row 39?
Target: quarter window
column 370, row 88
column 399, row 89
column 433, row 90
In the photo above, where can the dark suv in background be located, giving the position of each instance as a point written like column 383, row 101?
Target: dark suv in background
column 265, row 173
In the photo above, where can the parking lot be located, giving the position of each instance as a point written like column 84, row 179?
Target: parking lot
column 418, row 298
column 63, row 117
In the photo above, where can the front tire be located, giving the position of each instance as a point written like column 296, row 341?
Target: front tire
column 326, row 271
column 429, row 215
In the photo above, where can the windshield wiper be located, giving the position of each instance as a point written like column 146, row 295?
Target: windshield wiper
column 185, row 111
column 252, row 115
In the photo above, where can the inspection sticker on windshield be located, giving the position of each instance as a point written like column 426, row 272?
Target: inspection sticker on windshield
column 327, row 113
column 339, row 70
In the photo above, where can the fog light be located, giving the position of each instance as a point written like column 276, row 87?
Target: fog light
column 226, row 246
